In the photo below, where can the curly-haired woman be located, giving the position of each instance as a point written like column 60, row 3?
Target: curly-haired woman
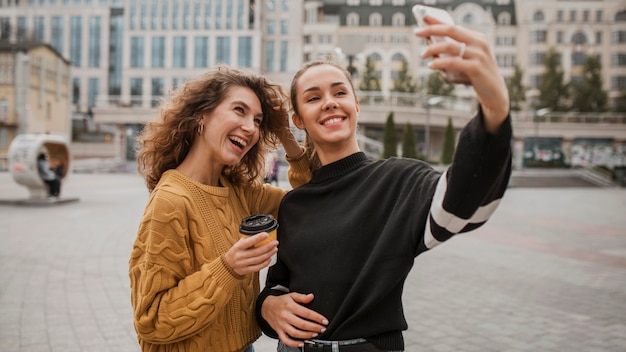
column 193, row 280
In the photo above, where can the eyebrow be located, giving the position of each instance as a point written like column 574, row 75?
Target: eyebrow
column 246, row 107
column 332, row 85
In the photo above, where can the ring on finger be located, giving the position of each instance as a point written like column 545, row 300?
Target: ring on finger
column 462, row 50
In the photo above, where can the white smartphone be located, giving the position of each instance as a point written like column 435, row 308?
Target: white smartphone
column 421, row 11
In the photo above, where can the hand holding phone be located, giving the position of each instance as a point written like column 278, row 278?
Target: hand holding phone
column 421, row 11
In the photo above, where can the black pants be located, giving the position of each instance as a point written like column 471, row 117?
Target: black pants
column 54, row 187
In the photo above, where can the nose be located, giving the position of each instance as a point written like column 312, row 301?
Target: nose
column 330, row 104
column 248, row 124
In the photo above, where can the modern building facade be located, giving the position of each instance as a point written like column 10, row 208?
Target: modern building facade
column 127, row 54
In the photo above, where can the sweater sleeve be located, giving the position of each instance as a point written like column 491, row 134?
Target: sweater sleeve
column 299, row 171
column 172, row 301
column 470, row 190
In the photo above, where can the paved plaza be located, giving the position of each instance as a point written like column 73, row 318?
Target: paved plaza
column 547, row 273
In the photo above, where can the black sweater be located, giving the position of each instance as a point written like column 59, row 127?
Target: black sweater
column 350, row 236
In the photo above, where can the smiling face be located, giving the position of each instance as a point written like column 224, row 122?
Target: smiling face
column 232, row 128
column 327, row 109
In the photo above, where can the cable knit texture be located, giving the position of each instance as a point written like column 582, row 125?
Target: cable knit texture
column 184, row 297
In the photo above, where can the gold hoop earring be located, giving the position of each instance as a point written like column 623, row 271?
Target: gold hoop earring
column 200, row 129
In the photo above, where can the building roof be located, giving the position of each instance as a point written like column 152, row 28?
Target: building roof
column 27, row 47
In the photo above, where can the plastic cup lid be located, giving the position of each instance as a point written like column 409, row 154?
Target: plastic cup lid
column 258, row 223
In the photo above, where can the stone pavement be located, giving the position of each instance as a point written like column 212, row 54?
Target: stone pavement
column 547, row 273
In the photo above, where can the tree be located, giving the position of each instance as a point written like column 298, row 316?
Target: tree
column 404, row 82
column 390, row 139
column 517, row 91
column 409, row 149
column 437, row 86
column 369, row 79
column 447, row 150
column 587, row 94
column 552, row 90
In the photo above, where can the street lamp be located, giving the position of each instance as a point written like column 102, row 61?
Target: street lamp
column 429, row 103
column 538, row 114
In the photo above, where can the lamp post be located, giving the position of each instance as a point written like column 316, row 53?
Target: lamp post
column 429, row 103
column 538, row 114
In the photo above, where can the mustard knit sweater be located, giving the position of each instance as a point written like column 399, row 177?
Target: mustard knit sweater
column 183, row 295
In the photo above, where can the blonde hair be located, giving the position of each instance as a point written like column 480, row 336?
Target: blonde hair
column 165, row 142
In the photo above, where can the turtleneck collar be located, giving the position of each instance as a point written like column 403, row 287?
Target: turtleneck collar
column 339, row 167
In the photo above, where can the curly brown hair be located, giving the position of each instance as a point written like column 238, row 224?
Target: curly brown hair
column 314, row 160
column 165, row 142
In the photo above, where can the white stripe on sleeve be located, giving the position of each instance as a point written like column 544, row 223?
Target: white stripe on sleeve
column 449, row 221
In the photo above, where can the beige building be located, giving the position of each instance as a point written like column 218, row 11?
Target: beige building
column 34, row 93
column 520, row 32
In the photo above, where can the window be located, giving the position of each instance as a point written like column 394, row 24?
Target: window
column 398, row 19
column 136, row 87
column 283, row 56
column 619, row 37
column 229, row 14
column 76, row 91
column 599, row 16
column 376, row 2
column 271, row 25
column 269, row 56
column 154, row 15
column 222, row 50
column 40, row 24
column 95, row 28
column 21, row 29
column 538, row 36
column 578, row 58
column 164, row 15
column 75, row 41
column 186, row 14
column 158, row 52
column 352, row 19
column 201, row 52
column 559, row 37
column 4, row 110
column 56, row 37
column 469, row 19
column 376, row 20
column 241, row 16
column 579, row 38
column 535, row 81
column 586, row 16
column 559, row 16
column 618, row 59
column 284, row 27
column 504, row 19
column 94, row 90
column 572, row 16
column 537, row 59
column 157, row 91
column 136, row 52
column 197, row 18
column 618, row 83
column 244, row 56
column 180, row 52
column 598, row 37
column 538, row 16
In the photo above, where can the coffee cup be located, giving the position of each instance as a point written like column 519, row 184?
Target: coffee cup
column 259, row 223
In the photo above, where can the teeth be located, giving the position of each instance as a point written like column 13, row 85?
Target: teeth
column 238, row 141
column 333, row 120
